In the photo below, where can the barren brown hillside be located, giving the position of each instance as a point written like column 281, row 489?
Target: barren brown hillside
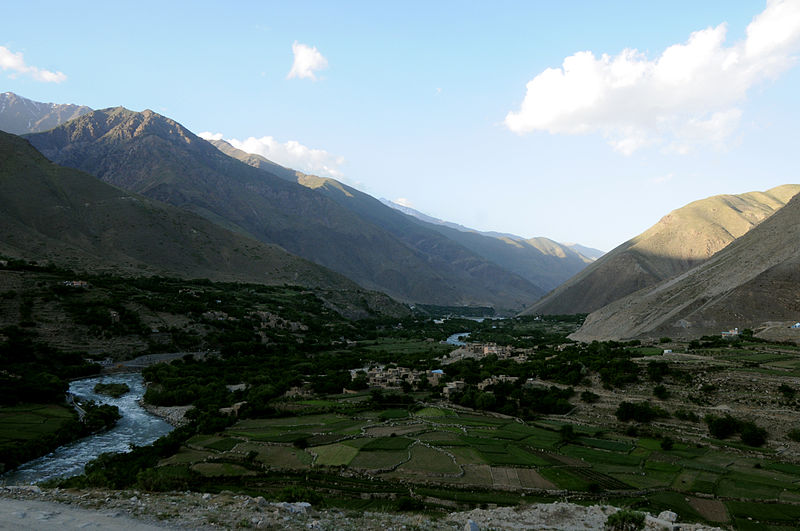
column 750, row 283
column 681, row 240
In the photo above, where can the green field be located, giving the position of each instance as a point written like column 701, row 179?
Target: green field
column 31, row 421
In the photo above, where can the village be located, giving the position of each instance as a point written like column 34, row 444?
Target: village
column 391, row 377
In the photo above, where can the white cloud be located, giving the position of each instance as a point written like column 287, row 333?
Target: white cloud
column 307, row 60
column 207, row 135
column 662, row 179
column 291, row 154
column 688, row 96
column 16, row 63
column 402, row 201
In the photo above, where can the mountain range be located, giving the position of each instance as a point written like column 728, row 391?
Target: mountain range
column 140, row 193
column 79, row 222
column 541, row 261
column 681, row 240
column 20, row 115
column 752, row 283
column 342, row 229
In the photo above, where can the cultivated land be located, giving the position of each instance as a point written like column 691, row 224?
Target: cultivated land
column 528, row 416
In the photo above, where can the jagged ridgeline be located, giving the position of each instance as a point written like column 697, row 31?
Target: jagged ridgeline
column 20, row 115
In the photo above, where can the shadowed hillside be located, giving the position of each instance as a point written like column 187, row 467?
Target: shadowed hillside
column 152, row 155
column 542, row 262
column 679, row 241
column 57, row 214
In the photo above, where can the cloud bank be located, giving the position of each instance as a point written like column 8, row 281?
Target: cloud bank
column 291, row 154
column 688, row 96
column 16, row 63
column 307, row 60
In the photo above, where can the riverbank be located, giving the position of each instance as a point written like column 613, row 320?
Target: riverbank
column 35, row 508
column 136, row 427
column 173, row 415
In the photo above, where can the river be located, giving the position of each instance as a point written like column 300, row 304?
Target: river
column 136, row 427
column 457, row 339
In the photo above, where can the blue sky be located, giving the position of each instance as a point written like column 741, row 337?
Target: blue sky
column 525, row 117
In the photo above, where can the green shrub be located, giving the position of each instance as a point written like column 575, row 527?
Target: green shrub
column 625, row 520
column 752, row 435
column 296, row 493
column 407, row 503
column 794, row 435
column 722, row 427
column 589, row 397
column 683, row 414
column 640, row 412
column 787, row 391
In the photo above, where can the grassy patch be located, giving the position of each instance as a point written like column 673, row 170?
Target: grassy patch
column 771, row 512
column 223, row 444
column 564, row 479
column 388, row 444
column 334, row 454
column 591, row 455
column 378, row 460
column 221, row 470
column 391, row 414
column 606, row 444
column 24, row 422
column 432, row 412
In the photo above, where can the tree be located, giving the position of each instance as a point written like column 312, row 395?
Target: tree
column 589, row 397
column 752, row 435
column 722, row 427
column 485, row 401
column 660, row 392
column 787, row 391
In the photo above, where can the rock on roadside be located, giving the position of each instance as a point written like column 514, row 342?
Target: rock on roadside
column 35, row 508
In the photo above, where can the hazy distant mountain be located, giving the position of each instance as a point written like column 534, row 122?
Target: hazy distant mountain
column 152, row 155
column 679, row 241
column 20, row 115
column 57, row 214
column 588, row 252
column 436, row 221
column 754, row 280
column 443, row 253
column 542, row 261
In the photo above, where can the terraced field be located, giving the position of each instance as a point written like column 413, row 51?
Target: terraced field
column 459, row 449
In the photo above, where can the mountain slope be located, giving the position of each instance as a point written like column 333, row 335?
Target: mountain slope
column 542, row 262
column 152, row 155
column 52, row 213
column 679, row 241
column 20, row 115
column 589, row 252
column 753, row 280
